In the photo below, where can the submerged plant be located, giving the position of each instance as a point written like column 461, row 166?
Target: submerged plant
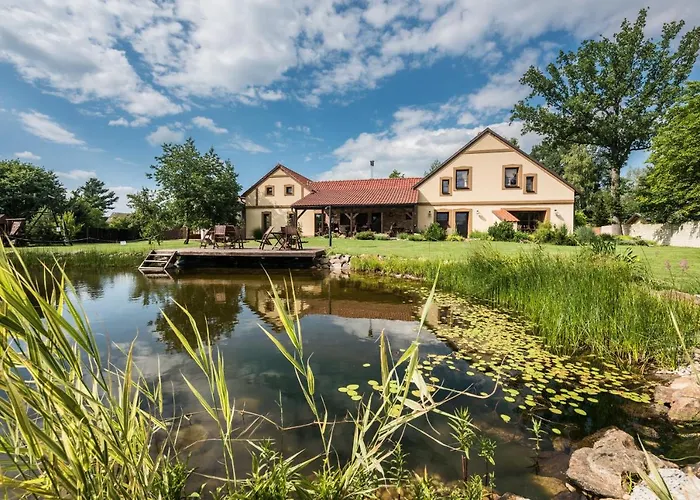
column 463, row 433
column 537, row 433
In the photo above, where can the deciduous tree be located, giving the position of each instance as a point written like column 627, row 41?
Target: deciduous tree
column 670, row 190
column 395, row 174
column 26, row 188
column 611, row 93
column 200, row 190
column 150, row 214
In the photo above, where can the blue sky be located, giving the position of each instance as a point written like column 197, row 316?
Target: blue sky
column 94, row 87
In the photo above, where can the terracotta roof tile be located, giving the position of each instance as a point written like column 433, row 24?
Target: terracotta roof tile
column 359, row 193
column 505, row 215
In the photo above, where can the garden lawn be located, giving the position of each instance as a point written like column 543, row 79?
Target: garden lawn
column 671, row 267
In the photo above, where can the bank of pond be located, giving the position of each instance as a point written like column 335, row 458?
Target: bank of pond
column 526, row 358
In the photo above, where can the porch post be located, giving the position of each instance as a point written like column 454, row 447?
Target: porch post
column 381, row 221
column 414, row 218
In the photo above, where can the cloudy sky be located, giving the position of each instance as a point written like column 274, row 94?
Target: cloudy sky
column 93, row 87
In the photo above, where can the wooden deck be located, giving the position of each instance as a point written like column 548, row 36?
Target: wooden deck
column 160, row 260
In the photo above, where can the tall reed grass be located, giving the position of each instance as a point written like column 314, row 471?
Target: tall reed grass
column 75, row 426
column 82, row 259
column 580, row 304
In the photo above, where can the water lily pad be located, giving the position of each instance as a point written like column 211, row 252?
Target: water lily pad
column 580, row 411
column 556, row 431
column 505, row 418
column 352, row 387
column 366, row 365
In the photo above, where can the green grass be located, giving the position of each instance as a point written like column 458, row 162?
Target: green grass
column 579, row 305
column 657, row 259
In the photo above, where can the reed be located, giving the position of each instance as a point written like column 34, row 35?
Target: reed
column 73, row 425
column 578, row 304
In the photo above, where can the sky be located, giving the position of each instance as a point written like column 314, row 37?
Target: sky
column 94, row 87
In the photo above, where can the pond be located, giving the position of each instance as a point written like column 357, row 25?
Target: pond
column 464, row 345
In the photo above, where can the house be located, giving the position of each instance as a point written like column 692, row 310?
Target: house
column 487, row 181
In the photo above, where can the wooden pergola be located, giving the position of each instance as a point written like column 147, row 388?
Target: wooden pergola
column 401, row 216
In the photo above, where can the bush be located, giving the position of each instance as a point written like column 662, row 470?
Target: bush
column 633, row 241
column 562, row 236
column 43, row 227
column 479, row 235
column 403, row 236
column 381, row 236
column 454, row 237
column 585, row 235
column 434, row 232
column 546, row 233
column 502, row 231
column 364, row 235
column 416, row 237
column 580, row 219
column 521, row 236
column 257, row 233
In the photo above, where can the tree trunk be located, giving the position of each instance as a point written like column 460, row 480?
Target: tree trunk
column 187, row 235
column 616, row 205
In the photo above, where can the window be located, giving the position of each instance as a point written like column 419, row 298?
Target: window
column 269, row 190
column 443, row 218
column 462, row 178
column 289, row 190
column 266, row 220
column 530, row 184
column 445, row 186
column 511, row 177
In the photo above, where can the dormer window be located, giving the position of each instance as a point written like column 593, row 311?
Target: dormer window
column 269, row 190
column 511, row 177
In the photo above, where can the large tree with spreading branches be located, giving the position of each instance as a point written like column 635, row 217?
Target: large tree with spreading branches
column 611, row 93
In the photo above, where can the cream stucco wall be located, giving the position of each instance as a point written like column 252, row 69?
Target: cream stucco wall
column 278, row 205
column 486, row 160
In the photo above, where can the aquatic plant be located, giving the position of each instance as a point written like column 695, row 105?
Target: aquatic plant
column 578, row 305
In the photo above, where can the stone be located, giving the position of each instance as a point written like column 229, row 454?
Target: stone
column 554, row 464
column 599, row 469
column 682, row 397
column 549, row 486
column 512, row 496
column 680, row 484
column 569, row 495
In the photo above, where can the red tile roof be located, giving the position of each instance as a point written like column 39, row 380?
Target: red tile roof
column 360, row 193
column 505, row 215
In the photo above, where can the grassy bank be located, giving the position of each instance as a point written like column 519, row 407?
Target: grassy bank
column 670, row 267
column 579, row 305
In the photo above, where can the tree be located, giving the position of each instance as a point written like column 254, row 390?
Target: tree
column 670, row 189
column 434, row 166
column 585, row 172
column 610, row 93
column 550, row 155
column 69, row 225
column 395, row 174
column 150, row 214
column 200, row 190
column 514, row 141
column 86, row 214
column 97, row 195
column 26, row 188
column 43, row 226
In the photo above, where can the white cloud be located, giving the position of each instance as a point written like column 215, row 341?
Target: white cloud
column 165, row 133
column 300, row 128
column 278, row 124
column 77, row 175
column 44, row 127
column 150, row 58
column 27, row 155
column 208, row 124
column 121, row 192
column 136, row 122
column 244, row 144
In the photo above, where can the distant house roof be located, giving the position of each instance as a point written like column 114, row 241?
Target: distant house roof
column 360, row 193
column 304, row 181
column 505, row 215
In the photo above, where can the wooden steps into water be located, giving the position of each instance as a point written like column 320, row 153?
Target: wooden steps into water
column 158, row 261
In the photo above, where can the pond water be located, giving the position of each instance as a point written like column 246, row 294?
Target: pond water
column 464, row 345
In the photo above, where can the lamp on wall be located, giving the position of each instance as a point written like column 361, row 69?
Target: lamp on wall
column 478, row 212
column 430, row 213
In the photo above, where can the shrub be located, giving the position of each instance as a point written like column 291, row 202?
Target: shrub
column 381, row 236
column 403, row 236
column 434, row 232
column 633, row 241
column 416, row 237
column 258, row 233
column 454, row 237
column 502, row 231
column 521, row 236
column 562, row 236
column 364, row 235
column 42, row 227
column 580, row 219
column 479, row 235
column 544, row 233
column 585, row 235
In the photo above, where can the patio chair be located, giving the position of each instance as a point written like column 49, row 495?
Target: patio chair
column 207, row 239
column 265, row 239
column 237, row 237
column 219, row 235
column 294, row 238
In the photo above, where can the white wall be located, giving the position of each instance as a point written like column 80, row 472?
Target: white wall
column 675, row 235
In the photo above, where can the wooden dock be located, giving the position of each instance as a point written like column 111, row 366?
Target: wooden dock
column 160, row 260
